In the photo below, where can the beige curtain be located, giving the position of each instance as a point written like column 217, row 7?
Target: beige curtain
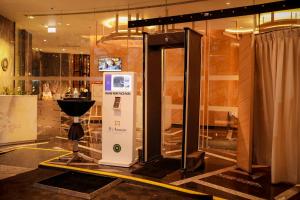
column 277, row 104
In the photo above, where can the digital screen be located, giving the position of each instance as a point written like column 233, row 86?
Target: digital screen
column 110, row 64
column 117, row 83
column 121, row 83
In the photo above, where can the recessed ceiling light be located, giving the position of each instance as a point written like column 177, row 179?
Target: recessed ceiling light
column 228, row 3
column 46, row 26
column 68, row 24
column 63, row 49
column 45, row 40
column 30, row 17
column 51, row 29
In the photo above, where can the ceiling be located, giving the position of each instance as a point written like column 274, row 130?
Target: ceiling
column 74, row 30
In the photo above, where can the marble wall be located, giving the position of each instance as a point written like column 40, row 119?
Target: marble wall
column 220, row 74
column 18, row 118
column 131, row 57
column 7, row 43
column 219, row 79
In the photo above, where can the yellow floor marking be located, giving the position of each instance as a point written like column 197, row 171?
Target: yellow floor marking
column 164, row 185
column 44, row 149
column 105, row 173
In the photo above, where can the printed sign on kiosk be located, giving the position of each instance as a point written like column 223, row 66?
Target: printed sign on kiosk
column 118, row 119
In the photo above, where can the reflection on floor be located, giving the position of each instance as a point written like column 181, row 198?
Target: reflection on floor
column 219, row 176
column 220, row 138
column 8, row 171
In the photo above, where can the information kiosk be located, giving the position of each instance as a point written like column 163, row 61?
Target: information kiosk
column 118, row 119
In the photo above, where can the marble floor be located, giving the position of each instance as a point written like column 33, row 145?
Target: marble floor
column 19, row 167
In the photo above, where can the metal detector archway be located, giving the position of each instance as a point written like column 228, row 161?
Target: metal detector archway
column 152, row 92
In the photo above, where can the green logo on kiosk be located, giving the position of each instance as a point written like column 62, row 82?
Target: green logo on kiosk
column 117, row 148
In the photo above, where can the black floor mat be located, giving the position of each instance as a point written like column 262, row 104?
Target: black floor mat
column 79, row 182
column 159, row 169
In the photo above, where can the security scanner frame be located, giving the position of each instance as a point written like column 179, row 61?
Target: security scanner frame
column 153, row 45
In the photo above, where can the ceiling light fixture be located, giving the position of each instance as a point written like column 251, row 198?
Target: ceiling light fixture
column 124, row 36
column 45, row 40
column 281, row 26
column 121, row 34
column 51, row 29
column 239, row 31
column 276, row 20
column 30, row 17
column 110, row 23
column 68, row 24
column 228, row 3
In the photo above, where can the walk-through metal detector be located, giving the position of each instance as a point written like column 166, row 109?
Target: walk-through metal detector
column 153, row 44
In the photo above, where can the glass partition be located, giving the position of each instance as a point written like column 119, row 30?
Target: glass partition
column 172, row 102
column 52, row 55
column 52, row 65
column 222, row 84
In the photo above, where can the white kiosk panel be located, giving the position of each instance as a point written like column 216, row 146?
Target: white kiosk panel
column 118, row 119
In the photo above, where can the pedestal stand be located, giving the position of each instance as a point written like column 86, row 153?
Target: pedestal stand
column 75, row 133
column 76, row 108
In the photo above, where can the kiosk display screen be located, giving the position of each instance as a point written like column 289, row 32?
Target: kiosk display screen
column 118, row 83
column 110, row 64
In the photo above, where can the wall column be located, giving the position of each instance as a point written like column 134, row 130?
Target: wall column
column 246, row 92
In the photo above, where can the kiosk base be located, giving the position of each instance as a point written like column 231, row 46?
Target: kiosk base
column 118, row 164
